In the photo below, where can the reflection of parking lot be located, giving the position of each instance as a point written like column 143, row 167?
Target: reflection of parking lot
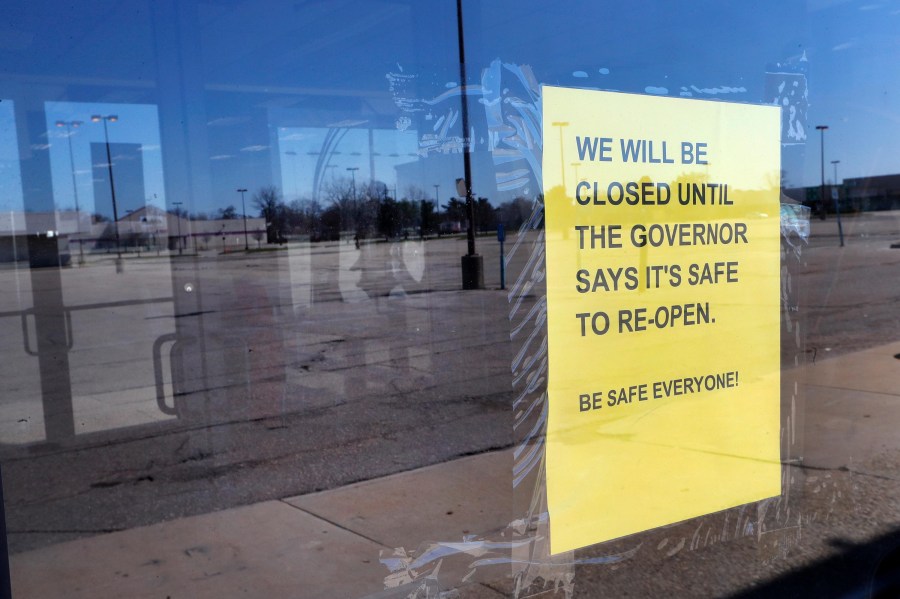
column 317, row 366
column 850, row 293
column 111, row 322
column 281, row 380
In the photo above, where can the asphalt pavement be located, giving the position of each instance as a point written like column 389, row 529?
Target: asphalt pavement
column 437, row 528
column 331, row 376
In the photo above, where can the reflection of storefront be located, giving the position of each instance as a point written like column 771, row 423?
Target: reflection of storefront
column 16, row 227
column 858, row 194
column 872, row 193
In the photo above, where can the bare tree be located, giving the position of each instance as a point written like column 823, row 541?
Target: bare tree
column 271, row 207
column 228, row 213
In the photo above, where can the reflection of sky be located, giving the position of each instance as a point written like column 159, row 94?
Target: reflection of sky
column 662, row 48
column 855, row 89
column 10, row 177
column 137, row 124
column 303, row 154
column 243, row 77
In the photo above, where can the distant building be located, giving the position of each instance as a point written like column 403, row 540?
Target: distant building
column 860, row 194
column 17, row 226
column 154, row 225
column 148, row 228
column 873, row 193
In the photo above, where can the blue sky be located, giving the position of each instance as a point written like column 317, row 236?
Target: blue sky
column 243, row 94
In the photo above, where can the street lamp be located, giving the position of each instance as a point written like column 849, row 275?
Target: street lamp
column 244, row 212
column 296, row 183
column 353, row 170
column 837, row 202
column 562, row 162
column 178, row 220
column 576, row 165
column 437, row 208
column 112, row 118
column 821, row 129
column 472, row 264
column 69, row 125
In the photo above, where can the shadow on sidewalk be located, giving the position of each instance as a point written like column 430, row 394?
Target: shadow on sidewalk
column 864, row 570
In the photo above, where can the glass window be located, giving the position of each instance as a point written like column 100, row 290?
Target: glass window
column 275, row 296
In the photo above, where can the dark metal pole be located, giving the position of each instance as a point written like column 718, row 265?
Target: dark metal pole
column 501, row 237
column 467, row 163
column 837, row 203
column 72, row 161
column 821, row 129
column 353, row 170
column 69, row 125
column 502, row 267
column 244, row 212
column 178, row 220
column 472, row 264
column 112, row 189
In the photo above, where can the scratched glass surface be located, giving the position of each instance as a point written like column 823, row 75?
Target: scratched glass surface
column 231, row 274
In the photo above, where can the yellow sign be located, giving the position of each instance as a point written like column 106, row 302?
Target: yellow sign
column 662, row 233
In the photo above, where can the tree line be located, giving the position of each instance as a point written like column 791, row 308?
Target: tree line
column 369, row 210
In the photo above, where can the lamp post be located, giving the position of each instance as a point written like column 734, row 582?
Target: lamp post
column 294, row 169
column 69, row 125
column 242, row 191
column 837, row 202
column 472, row 264
column 112, row 118
column 576, row 165
column 132, row 236
column 178, row 220
column 821, row 129
column 353, row 170
column 562, row 161
column 437, row 208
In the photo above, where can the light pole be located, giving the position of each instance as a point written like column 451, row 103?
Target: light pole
column 472, row 264
column 821, row 129
column 837, row 202
column 437, row 208
column 562, row 162
column 178, row 220
column 244, row 212
column 294, row 169
column 576, row 165
column 69, row 125
column 353, row 170
column 112, row 118
column 132, row 237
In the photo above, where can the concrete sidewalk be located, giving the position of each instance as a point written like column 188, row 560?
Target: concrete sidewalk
column 324, row 544
column 328, row 544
